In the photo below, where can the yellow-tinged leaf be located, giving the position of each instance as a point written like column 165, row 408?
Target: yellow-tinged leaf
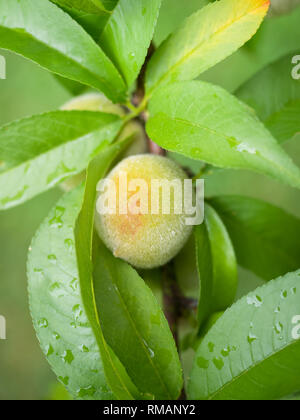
column 206, row 38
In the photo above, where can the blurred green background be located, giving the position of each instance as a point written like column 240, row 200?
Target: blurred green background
column 28, row 89
column 24, row 373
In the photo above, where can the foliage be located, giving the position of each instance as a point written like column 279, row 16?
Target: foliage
column 101, row 327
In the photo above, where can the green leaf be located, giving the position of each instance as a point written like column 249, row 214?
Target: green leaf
column 275, row 38
column 115, row 373
column 185, row 267
column 135, row 328
column 55, row 146
column 128, row 33
column 72, row 87
column 206, row 38
column 57, row 306
column 275, row 96
column 36, row 30
column 87, row 6
column 252, row 353
column 266, row 239
column 93, row 24
column 204, row 122
column 171, row 15
column 217, row 266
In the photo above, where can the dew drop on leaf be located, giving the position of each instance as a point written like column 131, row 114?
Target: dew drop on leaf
column 69, row 244
column 211, row 347
column 255, row 300
column 218, row 362
column 68, row 357
column 84, row 348
column 86, row 392
column 52, row 258
column 56, row 221
column 77, row 311
column 74, row 284
column 251, row 338
column 225, row 352
column 43, row 323
column 56, row 336
column 277, row 310
column 202, row 363
column 284, row 294
column 278, row 328
column 49, row 350
column 64, row 380
column 54, row 286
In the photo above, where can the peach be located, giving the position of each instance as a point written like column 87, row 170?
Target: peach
column 140, row 229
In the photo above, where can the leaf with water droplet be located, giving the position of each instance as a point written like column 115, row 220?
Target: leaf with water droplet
column 64, row 346
column 186, row 118
column 255, row 356
column 55, row 146
column 128, row 48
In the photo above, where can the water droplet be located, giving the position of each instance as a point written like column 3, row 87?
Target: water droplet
column 49, row 350
column 54, row 286
column 294, row 290
column 52, row 258
column 86, row 392
column 284, row 294
column 56, row 336
column 84, row 348
column 277, row 310
column 67, row 357
column 151, row 352
column 251, row 338
column 278, row 328
column 225, row 352
column 74, row 284
column 242, row 147
column 255, row 300
column 60, row 173
column 69, row 244
column 77, row 311
column 43, row 323
column 202, row 363
column 64, row 380
column 39, row 272
column 218, row 362
column 211, row 347
column 56, row 221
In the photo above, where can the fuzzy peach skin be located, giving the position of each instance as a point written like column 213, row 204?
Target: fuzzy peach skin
column 144, row 240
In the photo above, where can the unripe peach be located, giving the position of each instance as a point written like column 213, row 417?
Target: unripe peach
column 93, row 102
column 99, row 102
column 139, row 231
